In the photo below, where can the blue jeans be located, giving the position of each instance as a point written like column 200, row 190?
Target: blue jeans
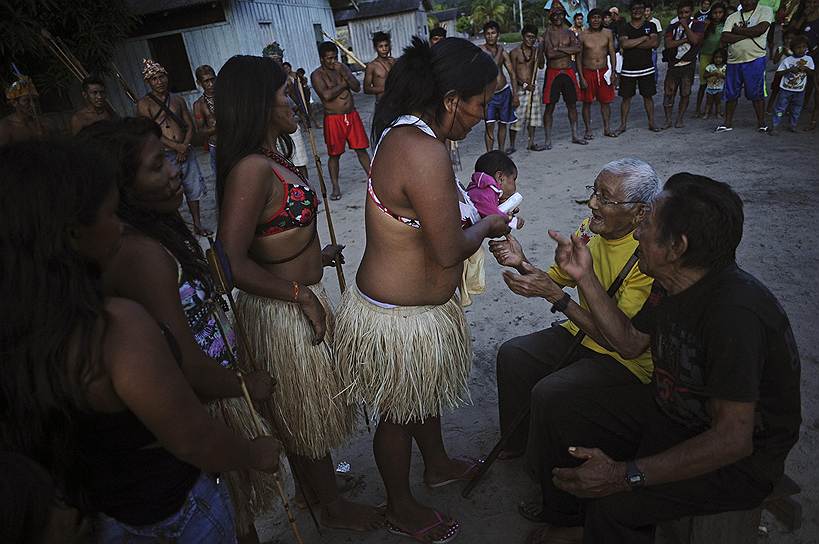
column 794, row 99
column 206, row 516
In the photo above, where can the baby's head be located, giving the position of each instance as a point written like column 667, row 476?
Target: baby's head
column 498, row 165
column 799, row 45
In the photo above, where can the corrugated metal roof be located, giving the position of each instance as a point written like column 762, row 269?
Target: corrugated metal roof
column 446, row 14
column 142, row 7
column 378, row 8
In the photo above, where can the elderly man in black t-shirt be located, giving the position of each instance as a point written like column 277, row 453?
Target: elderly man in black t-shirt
column 638, row 38
column 713, row 429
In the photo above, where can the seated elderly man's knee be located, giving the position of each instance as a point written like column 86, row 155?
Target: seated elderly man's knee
column 553, row 394
column 509, row 353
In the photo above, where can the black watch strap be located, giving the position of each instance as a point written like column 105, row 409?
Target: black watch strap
column 634, row 475
column 562, row 303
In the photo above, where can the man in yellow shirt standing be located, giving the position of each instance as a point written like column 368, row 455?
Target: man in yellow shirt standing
column 745, row 34
column 529, row 367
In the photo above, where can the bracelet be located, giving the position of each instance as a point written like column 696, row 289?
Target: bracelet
column 296, row 291
column 562, row 303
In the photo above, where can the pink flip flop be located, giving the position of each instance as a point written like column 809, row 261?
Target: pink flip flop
column 421, row 536
column 466, row 475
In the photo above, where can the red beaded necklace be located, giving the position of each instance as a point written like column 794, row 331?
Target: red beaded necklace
column 281, row 160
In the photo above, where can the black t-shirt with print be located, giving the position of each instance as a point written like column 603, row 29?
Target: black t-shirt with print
column 637, row 59
column 727, row 337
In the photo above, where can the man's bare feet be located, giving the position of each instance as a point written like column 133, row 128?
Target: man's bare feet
column 654, row 129
column 579, row 141
column 620, row 130
column 422, row 523
column 536, row 147
column 456, row 470
column 343, row 514
column 548, row 145
column 667, row 124
column 589, row 135
column 335, row 195
column 680, row 123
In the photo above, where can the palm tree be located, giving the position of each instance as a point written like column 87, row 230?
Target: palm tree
column 489, row 10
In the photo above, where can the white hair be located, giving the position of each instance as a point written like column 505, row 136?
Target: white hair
column 640, row 181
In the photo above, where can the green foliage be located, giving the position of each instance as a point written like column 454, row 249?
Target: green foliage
column 90, row 30
column 490, row 10
column 463, row 24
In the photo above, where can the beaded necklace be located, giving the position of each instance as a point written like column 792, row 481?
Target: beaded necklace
column 279, row 159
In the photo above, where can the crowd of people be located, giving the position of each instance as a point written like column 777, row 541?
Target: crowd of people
column 130, row 388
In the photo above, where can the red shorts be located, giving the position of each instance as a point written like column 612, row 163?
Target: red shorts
column 556, row 85
column 596, row 87
column 341, row 128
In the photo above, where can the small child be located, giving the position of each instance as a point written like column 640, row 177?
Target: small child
column 494, row 181
column 715, row 78
column 795, row 70
column 777, row 55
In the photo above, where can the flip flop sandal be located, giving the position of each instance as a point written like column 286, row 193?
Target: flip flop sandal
column 335, row 197
column 525, row 509
column 763, row 129
column 723, row 128
column 465, row 476
column 421, row 536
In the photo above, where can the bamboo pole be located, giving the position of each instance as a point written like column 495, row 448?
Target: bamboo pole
column 224, row 287
column 344, row 50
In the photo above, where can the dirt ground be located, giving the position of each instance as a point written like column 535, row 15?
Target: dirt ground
column 777, row 179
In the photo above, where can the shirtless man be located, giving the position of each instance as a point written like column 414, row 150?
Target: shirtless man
column 501, row 108
column 96, row 107
column 375, row 76
column 561, row 78
column 171, row 114
column 527, row 59
column 204, row 110
column 596, row 56
column 23, row 123
column 335, row 83
column 436, row 35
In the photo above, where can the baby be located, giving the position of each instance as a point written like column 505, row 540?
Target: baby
column 493, row 183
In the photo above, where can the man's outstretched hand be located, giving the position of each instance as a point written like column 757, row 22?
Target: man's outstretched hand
column 507, row 252
column 572, row 256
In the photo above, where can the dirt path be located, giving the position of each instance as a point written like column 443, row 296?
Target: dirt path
column 778, row 180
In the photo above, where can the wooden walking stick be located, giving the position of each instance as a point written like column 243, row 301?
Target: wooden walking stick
column 342, row 283
column 220, row 268
column 483, row 468
column 344, row 50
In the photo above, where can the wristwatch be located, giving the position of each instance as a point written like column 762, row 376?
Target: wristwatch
column 634, row 475
column 562, row 303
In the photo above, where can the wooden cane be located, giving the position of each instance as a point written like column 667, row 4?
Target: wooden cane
column 257, row 427
column 224, row 287
column 532, row 91
column 344, row 50
column 342, row 284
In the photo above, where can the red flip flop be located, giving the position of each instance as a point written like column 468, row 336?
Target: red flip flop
column 466, row 475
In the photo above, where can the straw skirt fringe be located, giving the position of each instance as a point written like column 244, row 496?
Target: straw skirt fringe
column 308, row 401
column 253, row 493
column 406, row 363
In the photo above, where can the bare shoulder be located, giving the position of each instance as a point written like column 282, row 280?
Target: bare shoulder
column 126, row 321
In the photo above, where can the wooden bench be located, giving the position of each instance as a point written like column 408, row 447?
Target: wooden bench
column 740, row 527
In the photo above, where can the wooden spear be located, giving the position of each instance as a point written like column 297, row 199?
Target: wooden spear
column 344, row 50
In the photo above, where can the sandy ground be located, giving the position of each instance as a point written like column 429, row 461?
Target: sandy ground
column 777, row 179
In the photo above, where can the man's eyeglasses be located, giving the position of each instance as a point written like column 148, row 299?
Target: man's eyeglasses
column 605, row 201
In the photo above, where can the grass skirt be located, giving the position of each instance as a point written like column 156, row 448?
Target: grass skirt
column 308, row 402
column 406, row 363
column 253, row 493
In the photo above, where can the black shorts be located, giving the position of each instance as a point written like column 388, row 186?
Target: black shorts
column 562, row 85
column 647, row 84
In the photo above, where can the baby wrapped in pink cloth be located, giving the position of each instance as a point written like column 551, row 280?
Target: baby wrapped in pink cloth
column 494, row 181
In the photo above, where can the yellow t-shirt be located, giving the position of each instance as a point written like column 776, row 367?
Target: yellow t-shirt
column 610, row 257
column 750, row 48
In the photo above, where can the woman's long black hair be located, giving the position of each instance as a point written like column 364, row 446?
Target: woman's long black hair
column 124, row 139
column 424, row 75
column 52, row 301
column 245, row 96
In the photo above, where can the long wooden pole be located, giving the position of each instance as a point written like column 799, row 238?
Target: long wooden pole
column 226, row 289
column 342, row 283
column 346, row 51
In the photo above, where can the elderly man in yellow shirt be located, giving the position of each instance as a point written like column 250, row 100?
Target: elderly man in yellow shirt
column 530, row 366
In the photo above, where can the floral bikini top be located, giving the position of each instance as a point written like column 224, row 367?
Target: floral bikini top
column 469, row 214
column 299, row 203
